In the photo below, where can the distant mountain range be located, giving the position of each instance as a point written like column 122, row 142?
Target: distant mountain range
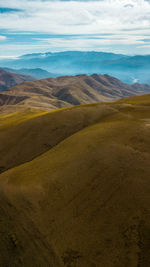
column 65, row 91
column 9, row 79
column 129, row 69
column 36, row 73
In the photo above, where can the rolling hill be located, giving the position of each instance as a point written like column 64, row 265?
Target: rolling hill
column 74, row 185
column 10, row 79
column 69, row 90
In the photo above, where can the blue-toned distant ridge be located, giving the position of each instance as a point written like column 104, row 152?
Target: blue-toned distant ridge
column 129, row 69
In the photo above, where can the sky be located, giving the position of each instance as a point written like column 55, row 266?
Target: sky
column 31, row 26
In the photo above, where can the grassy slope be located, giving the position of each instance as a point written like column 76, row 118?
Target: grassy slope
column 27, row 134
column 85, row 202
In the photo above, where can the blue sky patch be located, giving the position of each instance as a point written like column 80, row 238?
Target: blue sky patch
column 9, row 10
column 89, row 25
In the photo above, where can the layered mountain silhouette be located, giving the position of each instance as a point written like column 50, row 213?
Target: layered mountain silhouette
column 74, row 185
column 37, row 73
column 70, row 90
column 74, row 182
column 126, row 68
column 9, row 79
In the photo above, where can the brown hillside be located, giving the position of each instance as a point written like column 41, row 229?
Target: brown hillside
column 9, row 79
column 70, row 90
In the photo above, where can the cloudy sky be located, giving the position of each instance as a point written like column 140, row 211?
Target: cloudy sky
column 120, row 26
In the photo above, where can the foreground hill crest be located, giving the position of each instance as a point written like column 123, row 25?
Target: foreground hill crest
column 74, row 186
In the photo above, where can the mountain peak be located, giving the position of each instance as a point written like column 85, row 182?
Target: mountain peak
column 66, row 91
column 9, row 79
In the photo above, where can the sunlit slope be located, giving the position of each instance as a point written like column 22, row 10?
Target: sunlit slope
column 85, row 202
column 50, row 94
column 26, row 134
column 137, row 100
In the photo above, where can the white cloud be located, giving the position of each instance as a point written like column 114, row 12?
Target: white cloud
column 127, row 20
column 2, row 38
column 8, row 57
column 76, row 17
column 86, row 42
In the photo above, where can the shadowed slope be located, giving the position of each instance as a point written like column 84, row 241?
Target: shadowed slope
column 85, row 202
column 29, row 133
column 9, row 79
column 70, row 90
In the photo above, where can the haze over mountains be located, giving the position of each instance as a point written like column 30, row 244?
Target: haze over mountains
column 74, row 172
column 126, row 68
column 9, row 79
column 69, row 90
column 74, row 133
column 37, row 73
column 74, row 181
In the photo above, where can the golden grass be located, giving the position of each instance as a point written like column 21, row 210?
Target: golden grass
column 84, row 200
